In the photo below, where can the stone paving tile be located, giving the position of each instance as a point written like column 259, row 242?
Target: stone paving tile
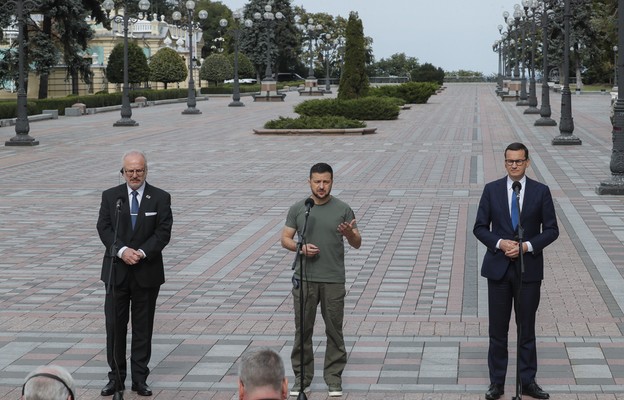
column 416, row 315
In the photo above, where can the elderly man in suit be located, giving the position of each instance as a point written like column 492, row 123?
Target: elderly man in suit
column 132, row 268
column 497, row 229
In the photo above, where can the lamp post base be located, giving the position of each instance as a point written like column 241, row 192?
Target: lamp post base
column 524, row 103
column 614, row 186
column 566, row 140
column 191, row 110
column 21, row 140
column 532, row 110
column 545, row 121
column 126, row 122
column 236, row 103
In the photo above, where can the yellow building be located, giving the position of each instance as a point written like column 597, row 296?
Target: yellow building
column 151, row 35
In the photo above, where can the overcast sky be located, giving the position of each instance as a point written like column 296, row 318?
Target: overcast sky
column 452, row 34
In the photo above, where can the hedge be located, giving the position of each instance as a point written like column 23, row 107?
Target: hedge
column 9, row 109
column 327, row 122
column 411, row 92
column 365, row 108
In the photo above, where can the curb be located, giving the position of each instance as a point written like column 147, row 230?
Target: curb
column 349, row 131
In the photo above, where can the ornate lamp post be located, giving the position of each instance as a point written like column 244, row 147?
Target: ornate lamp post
column 615, row 185
column 327, row 40
column 22, row 126
column 236, row 29
column 566, row 124
column 532, row 103
column 615, row 72
column 312, row 32
column 126, row 110
column 268, row 90
column 545, row 111
column 191, row 27
column 520, row 16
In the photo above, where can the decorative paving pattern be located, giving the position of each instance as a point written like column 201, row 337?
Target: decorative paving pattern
column 416, row 313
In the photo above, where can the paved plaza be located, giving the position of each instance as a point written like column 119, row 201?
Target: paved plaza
column 416, row 308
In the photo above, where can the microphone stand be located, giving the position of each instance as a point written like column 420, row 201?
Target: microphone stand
column 520, row 275
column 110, row 290
column 299, row 284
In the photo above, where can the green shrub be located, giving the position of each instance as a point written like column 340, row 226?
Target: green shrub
column 365, row 108
column 411, row 92
column 327, row 122
column 9, row 109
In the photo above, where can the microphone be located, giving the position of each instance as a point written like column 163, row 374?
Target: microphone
column 120, row 202
column 309, row 203
column 516, row 187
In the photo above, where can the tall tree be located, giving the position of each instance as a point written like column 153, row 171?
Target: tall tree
column 273, row 41
column 354, row 80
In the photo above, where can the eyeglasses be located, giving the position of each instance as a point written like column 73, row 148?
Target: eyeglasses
column 131, row 172
column 519, row 163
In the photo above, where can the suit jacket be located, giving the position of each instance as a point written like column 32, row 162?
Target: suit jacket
column 493, row 222
column 151, row 233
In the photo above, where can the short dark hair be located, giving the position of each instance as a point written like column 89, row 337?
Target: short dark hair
column 321, row 168
column 518, row 146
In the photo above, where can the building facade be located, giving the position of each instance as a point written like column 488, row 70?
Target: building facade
column 150, row 34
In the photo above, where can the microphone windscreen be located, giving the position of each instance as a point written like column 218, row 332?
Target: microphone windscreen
column 516, row 186
column 309, row 202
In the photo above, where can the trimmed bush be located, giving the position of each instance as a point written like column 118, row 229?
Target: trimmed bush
column 327, row 122
column 9, row 109
column 366, row 108
column 411, row 92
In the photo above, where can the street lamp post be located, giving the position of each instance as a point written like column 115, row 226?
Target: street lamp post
column 327, row 49
column 520, row 16
column 22, row 126
column 311, row 31
column 545, row 111
column 615, row 184
column 126, row 110
column 191, row 27
column 268, row 86
column 236, row 29
column 566, row 123
column 615, row 72
column 532, row 109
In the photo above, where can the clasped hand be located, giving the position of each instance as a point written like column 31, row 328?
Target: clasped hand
column 131, row 256
column 511, row 248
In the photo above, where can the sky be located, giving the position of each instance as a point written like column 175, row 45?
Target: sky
column 452, row 34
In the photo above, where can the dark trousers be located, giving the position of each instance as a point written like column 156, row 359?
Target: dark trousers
column 500, row 301
column 331, row 298
column 130, row 299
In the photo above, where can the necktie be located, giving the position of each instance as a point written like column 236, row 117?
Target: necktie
column 134, row 210
column 515, row 213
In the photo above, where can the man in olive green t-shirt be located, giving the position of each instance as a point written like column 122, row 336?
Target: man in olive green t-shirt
column 322, row 277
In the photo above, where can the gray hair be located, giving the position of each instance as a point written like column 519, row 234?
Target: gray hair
column 39, row 385
column 260, row 368
column 133, row 152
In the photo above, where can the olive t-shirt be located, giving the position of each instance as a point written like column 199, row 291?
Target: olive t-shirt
column 322, row 231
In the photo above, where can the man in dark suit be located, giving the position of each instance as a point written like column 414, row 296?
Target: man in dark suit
column 501, row 265
column 133, row 283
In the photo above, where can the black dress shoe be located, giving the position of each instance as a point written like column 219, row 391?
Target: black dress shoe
column 109, row 389
column 495, row 391
column 142, row 389
column 534, row 390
